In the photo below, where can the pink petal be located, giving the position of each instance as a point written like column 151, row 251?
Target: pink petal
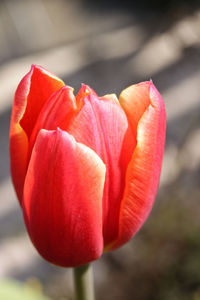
column 101, row 124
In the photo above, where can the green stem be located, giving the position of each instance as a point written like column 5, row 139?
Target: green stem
column 83, row 281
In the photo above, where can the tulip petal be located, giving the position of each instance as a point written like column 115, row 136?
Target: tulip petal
column 102, row 125
column 34, row 89
column 63, row 199
column 56, row 112
column 42, row 85
column 143, row 172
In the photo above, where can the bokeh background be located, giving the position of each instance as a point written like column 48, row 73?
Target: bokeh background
column 110, row 45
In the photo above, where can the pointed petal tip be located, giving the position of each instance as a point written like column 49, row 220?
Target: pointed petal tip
column 157, row 101
column 63, row 134
column 37, row 68
column 85, row 86
column 84, row 91
column 34, row 66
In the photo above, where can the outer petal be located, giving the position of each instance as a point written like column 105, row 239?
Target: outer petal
column 34, row 89
column 143, row 172
column 63, row 199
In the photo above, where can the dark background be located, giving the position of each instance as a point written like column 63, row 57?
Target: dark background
column 111, row 45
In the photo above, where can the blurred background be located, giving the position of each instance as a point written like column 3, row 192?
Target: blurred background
column 111, row 45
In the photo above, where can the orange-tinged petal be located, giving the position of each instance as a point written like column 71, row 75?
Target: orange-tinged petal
column 34, row 89
column 143, row 172
column 101, row 124
column 63, row 201
column 134, row 100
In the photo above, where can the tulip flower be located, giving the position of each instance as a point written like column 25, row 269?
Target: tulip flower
column 85, row 168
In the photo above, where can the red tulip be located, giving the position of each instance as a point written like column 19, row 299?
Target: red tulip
column 85, row 169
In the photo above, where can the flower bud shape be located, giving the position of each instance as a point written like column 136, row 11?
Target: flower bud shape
column 85, row 168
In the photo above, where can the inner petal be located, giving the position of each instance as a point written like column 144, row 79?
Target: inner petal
column 42, row 85
column 102, row 125
column 56, row 112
